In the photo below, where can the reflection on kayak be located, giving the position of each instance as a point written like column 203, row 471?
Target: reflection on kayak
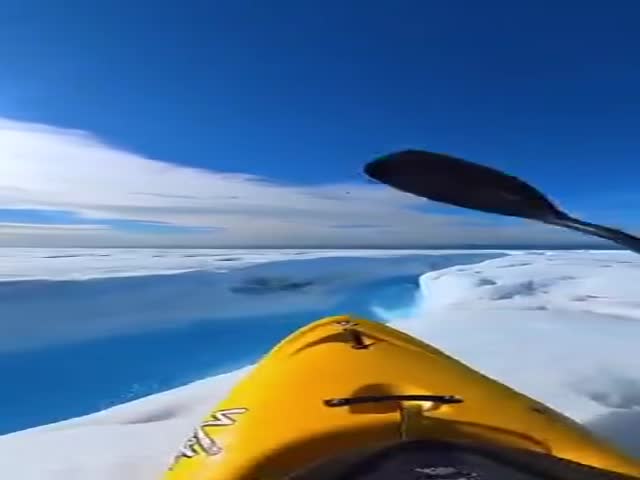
column 349, row 398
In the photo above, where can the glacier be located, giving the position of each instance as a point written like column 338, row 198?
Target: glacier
column 152, row 339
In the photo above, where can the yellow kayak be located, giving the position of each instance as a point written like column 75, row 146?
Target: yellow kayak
column 343, row 384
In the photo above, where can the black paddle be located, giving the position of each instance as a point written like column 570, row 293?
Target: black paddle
column 451, row 180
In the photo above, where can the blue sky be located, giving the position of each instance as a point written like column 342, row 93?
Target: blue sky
column 295, row 97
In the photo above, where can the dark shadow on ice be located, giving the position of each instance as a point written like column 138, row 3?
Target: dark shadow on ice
column 621, row 427
column 265, row 285
column 613, row 391
column 621, row 394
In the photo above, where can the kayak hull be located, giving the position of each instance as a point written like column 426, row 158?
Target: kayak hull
column 276, row 420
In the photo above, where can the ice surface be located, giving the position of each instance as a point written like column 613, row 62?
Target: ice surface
column 91, row 343
column 560, row 326
column 130, row 442
column 87, row 263
column 54, row 306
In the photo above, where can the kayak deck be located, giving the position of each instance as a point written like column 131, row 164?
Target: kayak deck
column 345, row 383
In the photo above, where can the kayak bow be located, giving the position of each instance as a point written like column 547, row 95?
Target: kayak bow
column 343, row 383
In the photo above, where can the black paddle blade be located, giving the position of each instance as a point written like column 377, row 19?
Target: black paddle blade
column 451, row 180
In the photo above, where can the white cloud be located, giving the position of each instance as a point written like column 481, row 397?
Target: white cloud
column 6, row 227
column 43, row 167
